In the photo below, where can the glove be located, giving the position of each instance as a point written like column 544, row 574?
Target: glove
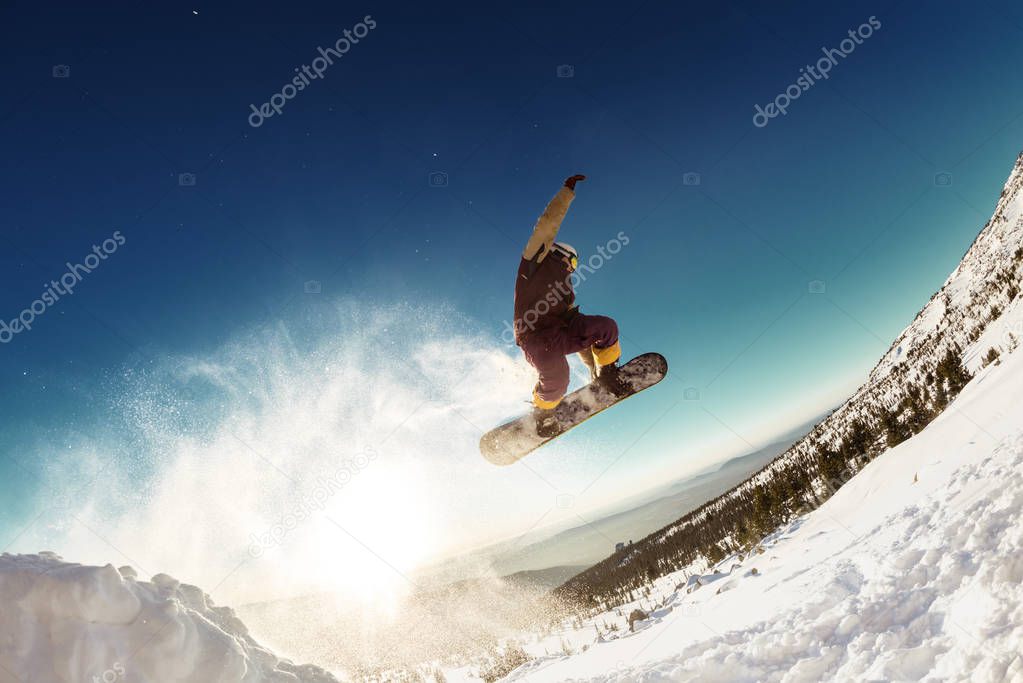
column 570, row 182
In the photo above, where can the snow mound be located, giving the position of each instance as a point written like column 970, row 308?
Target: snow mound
column 64, row 622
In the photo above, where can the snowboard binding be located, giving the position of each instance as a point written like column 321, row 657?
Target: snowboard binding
column 608, row 378
column 546, row 423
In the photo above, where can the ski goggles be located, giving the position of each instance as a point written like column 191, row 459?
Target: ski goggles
column 567, row 256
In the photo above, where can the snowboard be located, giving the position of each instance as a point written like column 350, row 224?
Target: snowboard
column 512, row 441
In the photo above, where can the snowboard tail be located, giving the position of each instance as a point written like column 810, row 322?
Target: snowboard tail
column 512, row 441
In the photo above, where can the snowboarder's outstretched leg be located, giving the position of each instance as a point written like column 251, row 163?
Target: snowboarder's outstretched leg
column 597, row 334
column 605, row 350
column 546, row 350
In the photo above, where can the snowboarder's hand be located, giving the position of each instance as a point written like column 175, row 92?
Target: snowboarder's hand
column 570, row 182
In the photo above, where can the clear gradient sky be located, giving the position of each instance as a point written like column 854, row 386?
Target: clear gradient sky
column 406, row 181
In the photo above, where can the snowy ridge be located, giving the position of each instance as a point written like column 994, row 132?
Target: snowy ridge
column 68, row 622
column 911, row 571
column 968, row 315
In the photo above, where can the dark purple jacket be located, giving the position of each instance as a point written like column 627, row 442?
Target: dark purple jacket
column 543, row 288
column 543, row 296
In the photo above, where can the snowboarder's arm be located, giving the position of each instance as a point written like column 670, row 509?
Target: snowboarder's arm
column 547, row 225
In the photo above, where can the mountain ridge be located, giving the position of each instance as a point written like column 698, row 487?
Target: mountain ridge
column 913, row 381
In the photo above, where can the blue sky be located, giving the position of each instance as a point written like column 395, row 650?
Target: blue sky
column 337, row 189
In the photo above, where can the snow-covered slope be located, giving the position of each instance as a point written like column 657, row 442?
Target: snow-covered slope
column 62, row 622
column 912, row 571
column 970, row 302
column 969, row 316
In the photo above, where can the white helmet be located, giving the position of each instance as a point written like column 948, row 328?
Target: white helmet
column 566, row 250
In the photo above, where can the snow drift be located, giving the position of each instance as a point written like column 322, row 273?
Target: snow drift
column 64, row 622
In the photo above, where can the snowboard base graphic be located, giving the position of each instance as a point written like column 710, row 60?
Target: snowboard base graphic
column 512, row 441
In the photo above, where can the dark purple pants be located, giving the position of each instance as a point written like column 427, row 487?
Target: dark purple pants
column 546, row 350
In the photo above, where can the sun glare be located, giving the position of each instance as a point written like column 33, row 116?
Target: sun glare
column 374, row 534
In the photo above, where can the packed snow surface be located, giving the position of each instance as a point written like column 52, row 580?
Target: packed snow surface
column 62, row 622
column 912, row 571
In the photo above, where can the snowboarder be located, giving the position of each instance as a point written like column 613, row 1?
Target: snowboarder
column 548, row 324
